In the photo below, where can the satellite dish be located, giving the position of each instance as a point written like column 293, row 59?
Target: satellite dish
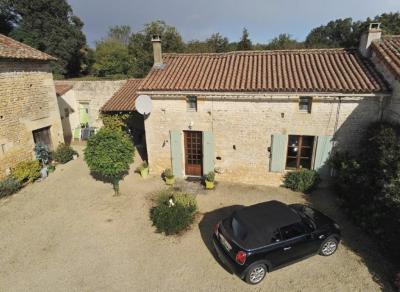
column 143, row 104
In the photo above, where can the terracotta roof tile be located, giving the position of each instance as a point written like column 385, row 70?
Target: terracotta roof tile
column 310, row 70
column 124, row 99
column 388, row 49
column 11, row 49
column 62, row 88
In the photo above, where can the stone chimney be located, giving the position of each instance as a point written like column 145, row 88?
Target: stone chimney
column 374, row 33
column 158, row 61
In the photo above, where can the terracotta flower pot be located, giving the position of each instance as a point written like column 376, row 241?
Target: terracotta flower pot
column 144, row 172
column 170, row 181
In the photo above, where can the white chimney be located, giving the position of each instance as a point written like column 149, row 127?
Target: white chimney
column 374, row 33
column 158, row 61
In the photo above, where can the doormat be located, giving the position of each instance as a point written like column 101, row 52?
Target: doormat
column 193, row 179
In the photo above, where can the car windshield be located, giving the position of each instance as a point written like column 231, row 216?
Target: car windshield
column 239, row 230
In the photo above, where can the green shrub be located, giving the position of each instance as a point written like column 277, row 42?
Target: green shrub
column 176, row 217
column 168, row 173
column 301, row 181
column 64, row 153
column 42, row 153
column 368, row 185
column 26, row 171
column 9, row 186
column 109, row 153
column 114, row 121
column 210, row 176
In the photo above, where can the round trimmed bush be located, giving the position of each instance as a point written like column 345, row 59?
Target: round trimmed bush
column 301, row 181
column 109, row 153
column 64, row 153
column 174, row 212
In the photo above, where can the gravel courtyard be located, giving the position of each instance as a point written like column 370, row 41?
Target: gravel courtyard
column 69, row 233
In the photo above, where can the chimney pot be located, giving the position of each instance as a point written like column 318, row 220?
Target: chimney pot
column 157, row 51
column 374, row 33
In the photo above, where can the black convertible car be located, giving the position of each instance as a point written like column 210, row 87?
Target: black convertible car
column 267, row 236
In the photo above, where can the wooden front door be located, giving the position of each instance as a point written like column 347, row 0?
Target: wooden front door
column 193, row 153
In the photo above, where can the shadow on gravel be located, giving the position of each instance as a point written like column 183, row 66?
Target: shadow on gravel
column 325, row 200
column 207, row 224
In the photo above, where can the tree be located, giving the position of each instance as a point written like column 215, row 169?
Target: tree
column 390, row 22
column 347, row 33
column 337, row 33
column 112, row 58
column 109, row 154
column 218, row 43
column 141, row 49
column 283, row 42
column 50, row 26
column 244, row 43
column 7, row 17
column 119, row 33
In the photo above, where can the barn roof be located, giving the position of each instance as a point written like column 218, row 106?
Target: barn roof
column 124, row 99
column 12, row 49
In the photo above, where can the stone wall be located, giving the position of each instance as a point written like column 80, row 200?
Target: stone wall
column 243, row 128
column 95, row 93
column 27, row 103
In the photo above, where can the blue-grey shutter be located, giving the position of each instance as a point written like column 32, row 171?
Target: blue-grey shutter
column 322, row 153
column 208, row 152
column 176, row 152
column 278, row 153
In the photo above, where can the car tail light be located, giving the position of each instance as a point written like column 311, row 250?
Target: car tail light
column 216, row 227
column 241, row 257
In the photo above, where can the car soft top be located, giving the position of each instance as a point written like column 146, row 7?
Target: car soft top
column 261, row 221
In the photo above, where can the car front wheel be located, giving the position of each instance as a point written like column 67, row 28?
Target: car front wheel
column 256, row 274
column 328, row 247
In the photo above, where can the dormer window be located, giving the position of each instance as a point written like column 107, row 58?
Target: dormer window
column 305, row 103
column 191, row 103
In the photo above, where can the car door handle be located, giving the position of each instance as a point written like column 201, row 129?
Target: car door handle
column 287, row 248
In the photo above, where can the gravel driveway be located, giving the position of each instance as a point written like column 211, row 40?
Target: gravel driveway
column 69, row 233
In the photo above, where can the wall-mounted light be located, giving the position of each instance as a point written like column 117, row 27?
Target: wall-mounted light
column 191, row 125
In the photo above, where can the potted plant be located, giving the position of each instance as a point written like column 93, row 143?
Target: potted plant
column 169, row 177
column 209, row 180
column 143, row 169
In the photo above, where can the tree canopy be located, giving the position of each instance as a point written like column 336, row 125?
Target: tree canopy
column 347, row 33
column 50, row 26
column 109, row 154
column 245, row 43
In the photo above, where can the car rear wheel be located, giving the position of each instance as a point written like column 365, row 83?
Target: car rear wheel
column 256, row 273
column 328, row 247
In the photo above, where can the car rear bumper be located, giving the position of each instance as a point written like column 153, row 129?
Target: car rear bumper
column 235, row 268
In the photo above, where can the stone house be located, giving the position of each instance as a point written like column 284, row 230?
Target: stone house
column 28, row 104
column 253, row 115
column 80, row 102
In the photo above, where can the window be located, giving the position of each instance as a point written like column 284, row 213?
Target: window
column 238, row 229
column 191, row 102
column 292, row 231
column 305, row 104
column 300, row 152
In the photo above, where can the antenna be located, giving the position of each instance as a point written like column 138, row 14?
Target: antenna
column 143, row 104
